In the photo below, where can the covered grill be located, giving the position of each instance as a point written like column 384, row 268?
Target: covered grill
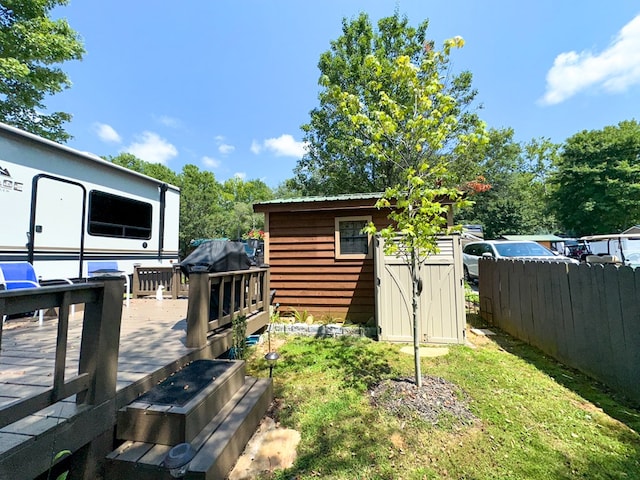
column 214, row 256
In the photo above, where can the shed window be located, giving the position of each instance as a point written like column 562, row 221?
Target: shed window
column 115, row 216
column 351, row 242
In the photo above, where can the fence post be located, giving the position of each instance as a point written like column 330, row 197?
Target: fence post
column 198, row 309
column 101, row 341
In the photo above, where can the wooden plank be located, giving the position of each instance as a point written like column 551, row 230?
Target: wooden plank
column 130, row 451
column 616, row 363
column 630, row 308
column 344, row 267
column 327, row 302
column 304, row 254
column 9, row 441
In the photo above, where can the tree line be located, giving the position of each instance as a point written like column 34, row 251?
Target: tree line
column 368, row 130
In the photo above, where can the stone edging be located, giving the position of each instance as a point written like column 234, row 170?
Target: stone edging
column 319, row 330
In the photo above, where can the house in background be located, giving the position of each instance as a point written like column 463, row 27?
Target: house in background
column 552, row 242
column 320, row 261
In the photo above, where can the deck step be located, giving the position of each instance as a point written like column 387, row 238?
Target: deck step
column 218, row 444
column 178, row 408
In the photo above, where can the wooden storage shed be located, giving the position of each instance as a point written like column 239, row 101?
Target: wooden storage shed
column 320, row 262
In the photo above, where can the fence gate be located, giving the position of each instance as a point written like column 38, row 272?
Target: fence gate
column 441, row 306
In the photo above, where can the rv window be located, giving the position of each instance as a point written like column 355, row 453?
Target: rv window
column 115, row 216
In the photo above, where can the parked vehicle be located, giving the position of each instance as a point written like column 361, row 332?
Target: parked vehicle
column 578, row 249
column 621, row 248
column 505, row 249
column 63, row 208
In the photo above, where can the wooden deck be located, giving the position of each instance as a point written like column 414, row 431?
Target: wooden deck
column 153, row 345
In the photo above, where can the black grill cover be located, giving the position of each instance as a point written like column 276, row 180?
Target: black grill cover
column 216, row 256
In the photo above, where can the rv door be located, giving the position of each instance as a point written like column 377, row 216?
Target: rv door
column 56, row 240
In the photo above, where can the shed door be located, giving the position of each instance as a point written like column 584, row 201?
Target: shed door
column 441, row 306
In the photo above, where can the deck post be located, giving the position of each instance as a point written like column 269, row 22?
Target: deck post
column 101, row 341
column 176, row 278
column 198, row 309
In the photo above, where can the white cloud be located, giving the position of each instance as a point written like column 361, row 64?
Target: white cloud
column 106, row 133
column 240, row 175
column 283, row 146
column 210, row 162
column 226, row 149
column 150, row 147
column 255, row 147
column 168, row 121
column 614, row 70
column 223, row 147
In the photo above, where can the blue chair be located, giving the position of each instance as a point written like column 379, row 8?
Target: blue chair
column 17, row 275
column 109, row 268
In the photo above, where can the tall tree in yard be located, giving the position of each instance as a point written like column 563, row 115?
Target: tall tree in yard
column 401, row 125
column 32, row 45
column 341, row 159
column 597, row 183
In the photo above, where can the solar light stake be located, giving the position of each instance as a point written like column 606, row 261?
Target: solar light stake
column 271, row 358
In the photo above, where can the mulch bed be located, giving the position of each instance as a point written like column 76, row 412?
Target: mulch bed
column 437, row 401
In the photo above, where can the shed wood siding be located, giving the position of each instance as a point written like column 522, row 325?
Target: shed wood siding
column 305, row 272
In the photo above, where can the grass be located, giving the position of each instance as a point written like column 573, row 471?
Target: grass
column 537, row 419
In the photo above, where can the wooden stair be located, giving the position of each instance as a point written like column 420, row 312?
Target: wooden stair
column 218, row 417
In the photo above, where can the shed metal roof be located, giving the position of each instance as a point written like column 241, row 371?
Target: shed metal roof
column 333, row 198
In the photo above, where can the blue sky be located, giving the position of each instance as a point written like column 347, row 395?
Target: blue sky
column 226, row 85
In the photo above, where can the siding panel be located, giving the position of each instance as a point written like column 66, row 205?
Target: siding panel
column 305, row 273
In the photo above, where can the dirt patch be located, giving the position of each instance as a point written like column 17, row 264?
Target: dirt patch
column 271, row 448
column 437, row 401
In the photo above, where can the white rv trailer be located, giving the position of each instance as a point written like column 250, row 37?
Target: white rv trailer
column 62, row 209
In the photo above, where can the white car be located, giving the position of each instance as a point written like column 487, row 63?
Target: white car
column 505, row 249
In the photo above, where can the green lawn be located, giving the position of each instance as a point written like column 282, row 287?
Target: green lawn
column 536, row 419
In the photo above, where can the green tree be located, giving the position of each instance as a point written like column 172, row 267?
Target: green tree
column 597, row 183
column 200, row 206
column 403, row 128
column 154, row 170
column 288, row 189
column 517, row 202
column 32, row 45
column 238, row 197
column 340, row 158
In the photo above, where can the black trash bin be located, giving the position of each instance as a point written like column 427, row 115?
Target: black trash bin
column 214, row 256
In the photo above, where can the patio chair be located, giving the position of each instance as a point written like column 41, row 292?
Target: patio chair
column 16, row 275
column 109, row 268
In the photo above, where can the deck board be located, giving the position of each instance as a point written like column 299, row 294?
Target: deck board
column 152, row 346
column 153, row 335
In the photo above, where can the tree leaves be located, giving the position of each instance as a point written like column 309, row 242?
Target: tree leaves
column 598, row 180
column 31, row 46
column 368, row 102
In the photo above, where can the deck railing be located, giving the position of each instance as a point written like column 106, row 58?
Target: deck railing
column 97, row 367
column 216, row 298
column 146, row 281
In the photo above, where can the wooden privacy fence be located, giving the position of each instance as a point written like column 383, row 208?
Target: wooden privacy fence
column 585, row 316
column 216, row 298
column 146, row 281
column 94, row 385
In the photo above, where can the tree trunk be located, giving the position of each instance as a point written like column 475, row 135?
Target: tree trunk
column 415, row 278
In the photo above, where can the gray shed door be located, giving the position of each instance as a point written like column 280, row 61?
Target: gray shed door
column 441, row 306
